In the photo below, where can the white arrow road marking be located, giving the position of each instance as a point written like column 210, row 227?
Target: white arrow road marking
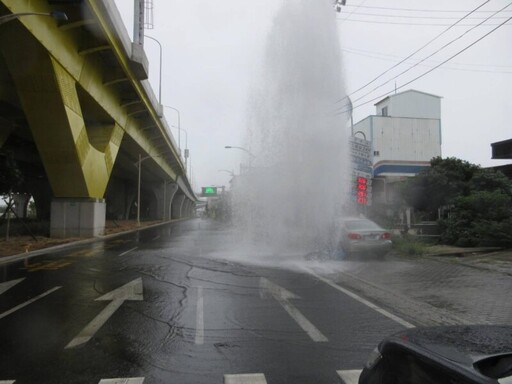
column 246, row 378
column 199, row 317
column 18, row 307
column 128, row 251
column 350, row 376
column 130, row 291
column 7, row 285
column 282, row 296
column 399, row 320
column 132, row 380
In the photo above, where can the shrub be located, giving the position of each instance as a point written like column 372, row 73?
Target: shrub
column 409, row 245
column 480, row 219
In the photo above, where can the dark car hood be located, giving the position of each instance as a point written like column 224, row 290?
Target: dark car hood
column 464, row 345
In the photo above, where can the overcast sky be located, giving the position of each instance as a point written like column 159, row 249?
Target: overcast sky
column 212, row 51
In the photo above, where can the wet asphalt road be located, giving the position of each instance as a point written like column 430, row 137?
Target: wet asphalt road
column 177, row 304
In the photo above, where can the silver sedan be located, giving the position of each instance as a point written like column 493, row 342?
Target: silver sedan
column 360, row 235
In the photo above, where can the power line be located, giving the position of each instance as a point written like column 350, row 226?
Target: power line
column 415, row 9
column 413, row 24
column 417, row 17
column 373, row 54
column 432, row 54
column 390, row 58
column 350, row 14
column 430, row 70
column 412, row 54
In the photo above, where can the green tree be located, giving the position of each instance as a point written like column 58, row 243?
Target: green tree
column 486, row 179
column 11, row 177
column 439, row 185
column 482, row 218
column 480, row 201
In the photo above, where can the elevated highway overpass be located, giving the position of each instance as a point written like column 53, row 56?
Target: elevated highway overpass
column 77, row 113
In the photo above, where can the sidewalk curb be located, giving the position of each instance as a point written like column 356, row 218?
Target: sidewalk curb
column 27, row 255
column 464, row 252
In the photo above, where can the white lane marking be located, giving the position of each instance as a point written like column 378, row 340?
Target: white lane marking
column 246, row 378
column 128, row 251
column 281, row 295
column 350, row 376
column 18, row 307
column 363, row 301
column 199, row 317
column 7, row 381
column 131, row 380
column 130, row 291
column 156, row 237
column 7, row 285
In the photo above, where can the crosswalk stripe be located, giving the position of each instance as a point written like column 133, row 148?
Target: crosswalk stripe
column 347, row 376
column 246, row 378
column 350, row 376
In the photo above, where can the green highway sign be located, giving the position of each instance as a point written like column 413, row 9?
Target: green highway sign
column 209, row 191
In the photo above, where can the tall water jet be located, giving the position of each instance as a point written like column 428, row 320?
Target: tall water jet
column 294, row 181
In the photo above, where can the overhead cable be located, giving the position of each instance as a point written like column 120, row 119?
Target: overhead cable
column 427, row 72
column 417, row 17
column 385, row 57
column 416, row 51
column 413, row 24
column 414, row 9
column 429, row 56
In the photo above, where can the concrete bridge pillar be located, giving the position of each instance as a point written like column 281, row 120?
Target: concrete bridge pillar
column 74, row 217
column 168, row 195
column 21, row 204
column 177, row 205
column 188, row 208
column 77, row 141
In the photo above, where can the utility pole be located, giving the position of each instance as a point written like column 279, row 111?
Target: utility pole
column 138, row 22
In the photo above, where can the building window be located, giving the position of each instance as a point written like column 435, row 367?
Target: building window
column 385, row 111
column 376, row 153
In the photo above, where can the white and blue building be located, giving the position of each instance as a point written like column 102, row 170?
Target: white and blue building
column 405, row 134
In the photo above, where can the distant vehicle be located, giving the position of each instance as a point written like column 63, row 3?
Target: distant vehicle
column 359, row 235
column 475, row 354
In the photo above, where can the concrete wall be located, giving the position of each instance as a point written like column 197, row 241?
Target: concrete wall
column 405, row 139
column 411, row 103
column 401, row 146
column 77, row 217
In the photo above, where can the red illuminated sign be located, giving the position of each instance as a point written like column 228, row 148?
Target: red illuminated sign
column 362, row 187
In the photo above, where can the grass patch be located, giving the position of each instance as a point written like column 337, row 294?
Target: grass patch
column 409, row 245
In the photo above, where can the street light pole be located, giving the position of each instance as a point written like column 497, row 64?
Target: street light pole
column 241, row 148
column 251, row 156
column 228, row 171
column 186, row 154
column 179, row 126
column 138, row 192
column 160, row 79
column 57, row 15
